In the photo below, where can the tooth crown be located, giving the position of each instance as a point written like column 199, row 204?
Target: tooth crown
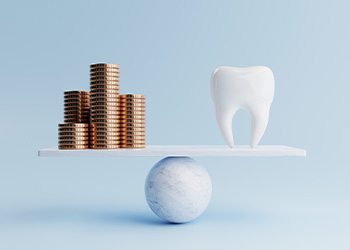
column 250, row 88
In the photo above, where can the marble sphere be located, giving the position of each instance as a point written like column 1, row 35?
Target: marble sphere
column 178, row 189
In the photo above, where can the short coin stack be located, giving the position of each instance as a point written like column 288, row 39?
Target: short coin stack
column 104, row 91
column 132, row 121
column 73, row 136
column 76, row 106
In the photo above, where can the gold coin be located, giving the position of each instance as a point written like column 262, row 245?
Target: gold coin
column 65, row 147
column 132, row 125
column 132, row 122
column 133, row 113
column 76, row 114
column 72, row 108
column 85, row 120
column 132, row 96
column 132, row 146
column 70, row 119
column 104, row 94
column 76, row 104
column 131, row 105
column 106, row 125
column 131, row 133
column 127, row 99
column 76, row 99
column 140, row 116
column 80, row 125
column 100, row 111
column 129, row 108
column 105, row 146
column 132, row 140
column 107, row 137
column 103, row 133
column 104, row 73
column 73, row 138
column 106, row 81
column 64, row 141
column 104, row 65
column 79, row 112
column 73, row 134
column 138, row 129
column 106, row 131
column 105, row 142
column 100, row 81
column 75, row 130
column 76, row 92
column 104, row 99
column 106, row 118
column 98, row 103
column 104, row 108
column 73, row 143
column 104, row 91
column 104, row 84
column 105, row 112
column 103, row 78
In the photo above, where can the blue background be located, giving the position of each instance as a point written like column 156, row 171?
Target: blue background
column 167, row 50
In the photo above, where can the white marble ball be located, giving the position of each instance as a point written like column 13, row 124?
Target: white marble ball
column 178, row 189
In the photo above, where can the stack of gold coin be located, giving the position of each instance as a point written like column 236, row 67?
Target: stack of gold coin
column 104, row 91
column 73, row 136
column 132, row 120
column 76, row 106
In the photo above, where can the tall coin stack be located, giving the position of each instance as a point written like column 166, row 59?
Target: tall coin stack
column 132, row 121
column 76, row 106
column 104, row 91
column 73, row 136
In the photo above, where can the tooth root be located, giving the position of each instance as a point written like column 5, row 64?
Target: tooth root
column 224, row 119
column 260, row 119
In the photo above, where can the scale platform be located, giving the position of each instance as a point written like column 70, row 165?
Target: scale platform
column 180, row 150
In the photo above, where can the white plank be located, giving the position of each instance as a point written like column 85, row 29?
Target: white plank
column 179, row 150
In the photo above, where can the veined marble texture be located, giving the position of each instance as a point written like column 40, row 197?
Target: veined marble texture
column 178, row 189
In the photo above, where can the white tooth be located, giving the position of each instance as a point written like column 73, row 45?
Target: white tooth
column 249, row 88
